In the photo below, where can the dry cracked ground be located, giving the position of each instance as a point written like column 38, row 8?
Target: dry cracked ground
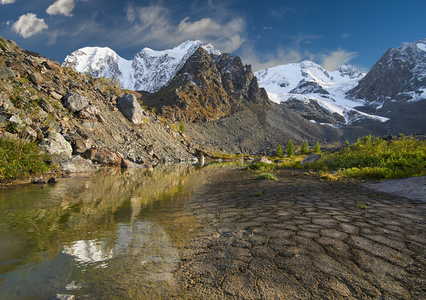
column 302, row 238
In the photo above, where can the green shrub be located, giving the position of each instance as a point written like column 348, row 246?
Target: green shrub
column 20, row 159
column 182, row 127
column 266, row 176
column 290, row 148
column 378, row 159
column 317, row 148
column 305, row 148
column 279, row 151
column 261, row 166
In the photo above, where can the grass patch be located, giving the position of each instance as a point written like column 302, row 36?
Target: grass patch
column 266, row 176
column 20, row 159
column 261, row 166
column 374, row 158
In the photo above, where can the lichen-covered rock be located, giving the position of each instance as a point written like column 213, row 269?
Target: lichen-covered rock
column 6, row 73
column 74, row 102
column 77, row 164
column 310, row 159
column 103, row 157
column 55, row 144
column 131, row 109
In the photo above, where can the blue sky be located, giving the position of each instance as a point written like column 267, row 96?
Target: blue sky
column 263, row 33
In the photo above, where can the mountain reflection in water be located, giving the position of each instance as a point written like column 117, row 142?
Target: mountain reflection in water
column 108, row 235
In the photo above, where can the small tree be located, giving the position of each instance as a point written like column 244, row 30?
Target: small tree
column 317, row 148
column 305, row 148
column 182, row 127
column 290, row 148
column 279, row 151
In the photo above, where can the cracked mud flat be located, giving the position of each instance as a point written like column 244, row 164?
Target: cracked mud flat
column 302, row 238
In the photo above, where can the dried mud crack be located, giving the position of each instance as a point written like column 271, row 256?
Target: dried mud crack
column 302, row 238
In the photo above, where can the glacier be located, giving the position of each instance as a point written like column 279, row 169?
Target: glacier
column 307, row 81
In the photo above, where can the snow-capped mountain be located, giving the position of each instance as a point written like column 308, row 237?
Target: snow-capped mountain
column 400, row 74
column 307, row 81
column 149, row 70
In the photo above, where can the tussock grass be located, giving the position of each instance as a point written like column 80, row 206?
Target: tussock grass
column 266, row 176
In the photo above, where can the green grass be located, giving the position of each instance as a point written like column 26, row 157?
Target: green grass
column 261, row 167
column 266, row 176
column 375, row 158
column 20, row 159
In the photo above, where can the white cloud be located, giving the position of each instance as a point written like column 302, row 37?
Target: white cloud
column 335, row 59
column 154, row 24
column 62, row 7
column 29, row 25
column 204, row 26
column 7, row 1
column 267, row 60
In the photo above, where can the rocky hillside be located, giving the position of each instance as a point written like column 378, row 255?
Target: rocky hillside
column 70, row 113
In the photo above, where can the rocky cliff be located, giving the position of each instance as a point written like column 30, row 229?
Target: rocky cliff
column 70, row 114
column 400, row 74
column 206, row 88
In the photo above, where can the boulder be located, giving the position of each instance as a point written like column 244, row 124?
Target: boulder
column 55, row 144
column 6, row 73
column 74, row 102
column 103, row 157
column 131, row 109
column 77, row 164
column 263, row 159
column 127, row 164
column 36, row 78
column 310, row 159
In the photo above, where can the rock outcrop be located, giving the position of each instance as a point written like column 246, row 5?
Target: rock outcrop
column 206, row 88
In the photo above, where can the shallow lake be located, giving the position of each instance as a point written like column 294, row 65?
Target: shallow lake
column 108, row 235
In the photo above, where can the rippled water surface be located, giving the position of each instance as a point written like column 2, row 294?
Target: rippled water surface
column 110, row 235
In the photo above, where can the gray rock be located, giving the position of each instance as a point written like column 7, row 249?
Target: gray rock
column 131, row 109
column 56, row 145
column 310, row 159
column 103, row 157
column 127, row 164
column 6, row 73
column 74, row 102
column 263, row 159
column 77, row 164
column 63, row 297
column 36, row 78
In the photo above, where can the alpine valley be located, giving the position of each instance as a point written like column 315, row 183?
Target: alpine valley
column 97, row 101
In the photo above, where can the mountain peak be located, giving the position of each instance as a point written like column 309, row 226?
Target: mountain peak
column 149, row 70
column 400, row 74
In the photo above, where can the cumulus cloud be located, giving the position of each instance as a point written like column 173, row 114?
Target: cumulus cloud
column 335, row 59
column 154, row 24
column 61, row 7
column 267, row 60
column 29, row 25
column 7, row 1
column 203, row 27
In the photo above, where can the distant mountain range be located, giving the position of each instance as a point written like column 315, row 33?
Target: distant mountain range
column 344, row 96
column 149, row 70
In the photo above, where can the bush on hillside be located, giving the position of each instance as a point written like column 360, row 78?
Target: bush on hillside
column 20, row 159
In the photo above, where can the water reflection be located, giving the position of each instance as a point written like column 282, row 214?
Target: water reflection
column 110, row 235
